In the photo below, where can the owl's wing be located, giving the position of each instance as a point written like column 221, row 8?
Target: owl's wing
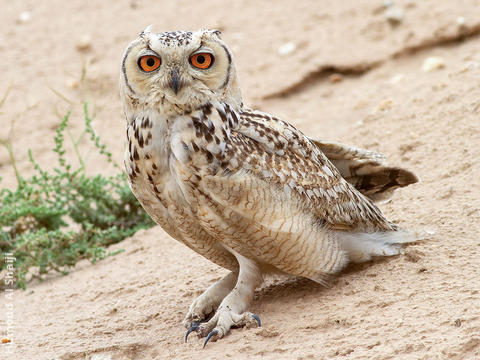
column 296, row 162
column 277, row 198
column 366, row 170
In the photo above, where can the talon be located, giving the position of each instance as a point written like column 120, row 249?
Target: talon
column 209, row 336
column 193, row 326
column 258, row 320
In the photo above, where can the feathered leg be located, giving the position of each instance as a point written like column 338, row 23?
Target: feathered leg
column 232, row 310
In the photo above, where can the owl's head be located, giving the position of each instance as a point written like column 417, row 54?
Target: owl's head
column 178, row 71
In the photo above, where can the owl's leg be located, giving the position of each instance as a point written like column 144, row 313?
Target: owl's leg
column 208, row 302
column 232, row 310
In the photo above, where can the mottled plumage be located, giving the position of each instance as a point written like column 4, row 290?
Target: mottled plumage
column 246, row 190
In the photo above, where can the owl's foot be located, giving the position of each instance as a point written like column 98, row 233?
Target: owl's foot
column 193, row 327
column 231, row 312
column 219, row 325
column 208, row 302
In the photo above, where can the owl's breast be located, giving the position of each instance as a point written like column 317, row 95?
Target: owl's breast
column 153, row 160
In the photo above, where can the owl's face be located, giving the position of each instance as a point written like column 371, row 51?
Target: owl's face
column 180, row 69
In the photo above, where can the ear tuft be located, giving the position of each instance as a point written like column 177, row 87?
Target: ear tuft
column 147, row 30
column 216, row 32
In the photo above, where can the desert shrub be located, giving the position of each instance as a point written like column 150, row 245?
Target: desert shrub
column 55, row 218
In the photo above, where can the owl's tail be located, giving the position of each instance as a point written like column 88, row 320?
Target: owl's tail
column 362, row 247
column 366, row 170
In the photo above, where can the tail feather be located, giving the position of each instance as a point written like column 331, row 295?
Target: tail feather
column 366, row 170
column 362, row 247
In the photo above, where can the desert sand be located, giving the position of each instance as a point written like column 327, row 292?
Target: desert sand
column 347, row 71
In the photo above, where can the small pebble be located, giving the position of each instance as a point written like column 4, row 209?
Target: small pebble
column 84, row 43
column 394, row 15
column 433, row 63
column 133, row 4
column 72, row 83
column 267, row 332
column 461, row 22
column 396, row 79
column 335, row 78
column 471, row 65
column 24, row 17
column 287, row 48
column 388, row 3
column 413, row 255
column 32, row 102
column 101, row 357
column 385, row 105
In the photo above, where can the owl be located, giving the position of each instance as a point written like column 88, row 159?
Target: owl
column 244, row 189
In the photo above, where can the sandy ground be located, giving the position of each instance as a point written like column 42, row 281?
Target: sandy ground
column 351, row 76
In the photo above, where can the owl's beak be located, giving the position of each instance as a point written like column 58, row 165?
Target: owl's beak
column 175, row 83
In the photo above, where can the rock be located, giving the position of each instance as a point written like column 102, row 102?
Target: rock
column 471, row 65
column 72, row 83
column 84, row 43
column 388, row 4
column 24, row 17
column 268, row 332
column 334, row 78
column 414, row 255
column 396, row 79
column 461, row 22
column 394, row 15
column 433, row 63
column 385, row 105
column 287, row 48
column 101, row 357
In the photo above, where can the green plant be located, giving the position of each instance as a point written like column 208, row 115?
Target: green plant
column 54, row 219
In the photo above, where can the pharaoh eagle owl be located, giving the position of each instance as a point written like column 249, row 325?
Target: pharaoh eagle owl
column 244, row 189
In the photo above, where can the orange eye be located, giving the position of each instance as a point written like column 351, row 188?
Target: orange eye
column 202, row 60
column 149, row 63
